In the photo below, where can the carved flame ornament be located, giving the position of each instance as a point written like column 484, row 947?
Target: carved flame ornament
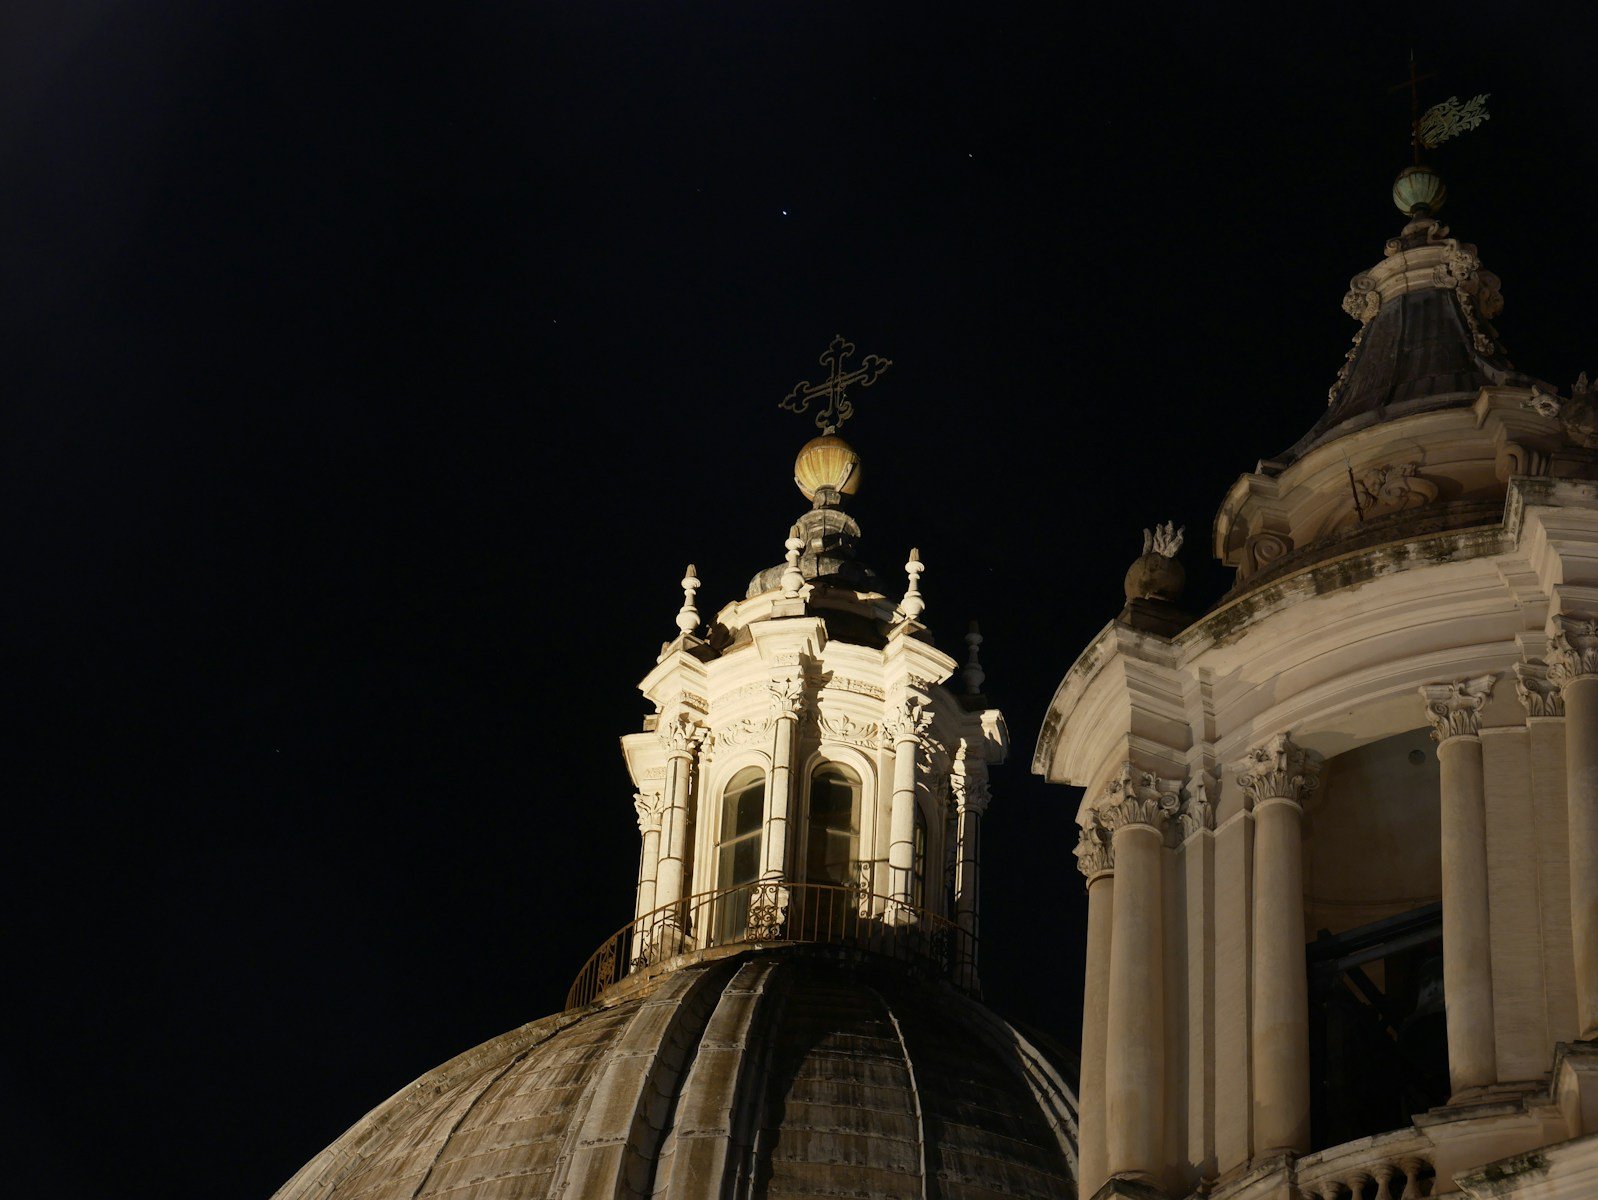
column 834, row 388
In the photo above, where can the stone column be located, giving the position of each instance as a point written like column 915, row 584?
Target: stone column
column 1454, row 710
column 1095, row 858
column 971, row 801
column 1277, row 778
column 683, row 736
column 788, row 698
column 1135, row 810
column 1573, row 667
column 904, row 728
column 649, row 807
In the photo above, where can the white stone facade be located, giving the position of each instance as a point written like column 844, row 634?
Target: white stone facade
column 1256, row 780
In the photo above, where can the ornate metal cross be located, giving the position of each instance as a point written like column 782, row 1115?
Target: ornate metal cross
column 835, row 386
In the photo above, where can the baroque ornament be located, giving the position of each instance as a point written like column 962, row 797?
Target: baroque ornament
column 909, row 720
column 1363, row 300
column 1573, row 651
column 1138, row 797
column 847, row 730
column 1454, row 709
column 1537, row 692
column 1280, row 769
column 1196, row 812
column 971, row 793
column 650, row 808
column 1094, row 851
column 787, row 696
column 682, row 734
column 748, row 732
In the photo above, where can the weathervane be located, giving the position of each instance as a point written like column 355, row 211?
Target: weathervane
column 835, row 386
column 1441, row 121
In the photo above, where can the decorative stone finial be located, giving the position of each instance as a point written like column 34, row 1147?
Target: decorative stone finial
column 1419, row 191
column 1162, row 540
column 793, row 580
column 912, row 606
column 688, row 615
column 1157, row 575
column 972, row 674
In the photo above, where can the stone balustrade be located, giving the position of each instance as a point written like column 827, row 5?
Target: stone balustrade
column 1389, row 1166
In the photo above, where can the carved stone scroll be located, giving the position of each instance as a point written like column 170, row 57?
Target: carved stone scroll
column 1540, row 694
column 1280, row 769
column 1454, row 709
column 1573, row 651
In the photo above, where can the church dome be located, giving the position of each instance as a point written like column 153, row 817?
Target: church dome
column 772, row 1074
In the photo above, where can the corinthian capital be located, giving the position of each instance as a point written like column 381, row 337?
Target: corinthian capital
column 1539, row 693
column 1573, row 651
column 1138, row 797
column 682, row 734
column 650, row 808
column 1094, row 851
column 788, row 697
column 971, row 792
column 1280, row 769
column 909, row 720
column 1454, row 709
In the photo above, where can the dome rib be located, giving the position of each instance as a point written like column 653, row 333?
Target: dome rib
column 716, row 1118
column 770, row 1074
column 612, row 1147
column 915, row 1092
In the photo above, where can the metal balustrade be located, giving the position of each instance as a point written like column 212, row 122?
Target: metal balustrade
column 772, row 913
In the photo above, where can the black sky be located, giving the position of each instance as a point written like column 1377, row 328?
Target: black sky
column 373, row 370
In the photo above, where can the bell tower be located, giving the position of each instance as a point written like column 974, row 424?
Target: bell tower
column 815, row 770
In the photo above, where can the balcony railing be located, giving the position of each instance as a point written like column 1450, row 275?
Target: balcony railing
column 777, row 913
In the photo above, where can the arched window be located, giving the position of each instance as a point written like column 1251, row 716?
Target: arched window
column 833, row 833
column 743, row 807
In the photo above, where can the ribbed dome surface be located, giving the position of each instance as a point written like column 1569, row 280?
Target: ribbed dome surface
column 764, row 1075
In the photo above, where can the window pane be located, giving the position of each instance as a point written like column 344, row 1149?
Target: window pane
column 751, row 808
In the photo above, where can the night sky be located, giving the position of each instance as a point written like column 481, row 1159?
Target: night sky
column 372, row 371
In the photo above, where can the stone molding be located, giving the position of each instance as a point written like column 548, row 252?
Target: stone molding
column 1573, row 650
column 1541, row 696
column 1278, row 769
column 651, row 808
column 1454, row 709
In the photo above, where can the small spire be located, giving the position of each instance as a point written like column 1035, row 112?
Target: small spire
column 793, row 579
column 688, row 615
column 973, row 674
column 912, row 606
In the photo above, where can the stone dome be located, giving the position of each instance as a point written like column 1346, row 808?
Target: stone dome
column 760, row 1074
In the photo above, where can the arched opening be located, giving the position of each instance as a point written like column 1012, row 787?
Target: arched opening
column 832, row 835
column 1373, row 885
column 743, row 808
